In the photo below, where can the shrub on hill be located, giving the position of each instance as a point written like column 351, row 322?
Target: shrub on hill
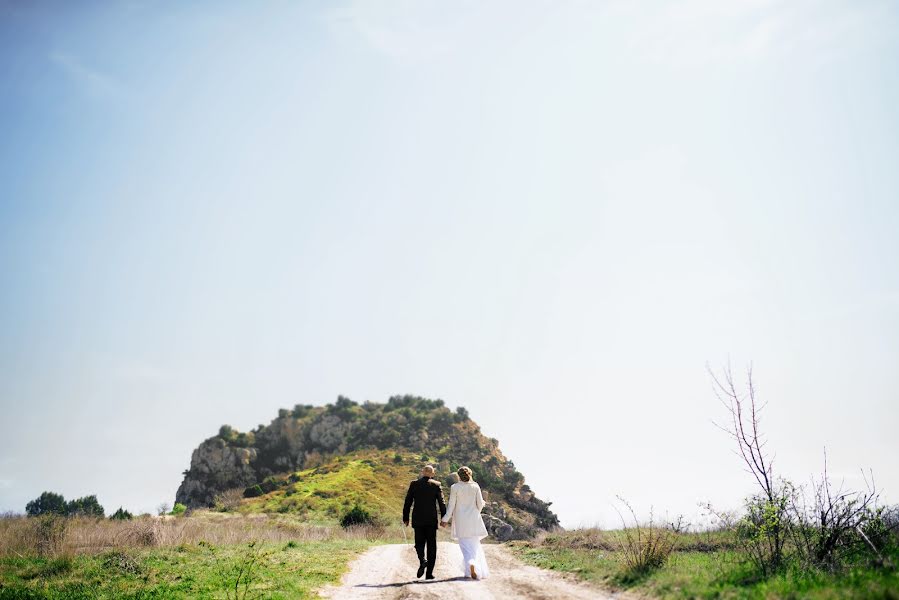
column 121, row 515
column 357, row 516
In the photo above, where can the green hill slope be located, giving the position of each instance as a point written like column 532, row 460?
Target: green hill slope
column 375, row 480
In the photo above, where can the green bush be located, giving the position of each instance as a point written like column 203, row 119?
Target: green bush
column 343, row 408
column 344, row 402
column 226, row 432
column 357, row 516
column 254, row 491
column 244, row 440
column 50, row 531
column 121, row 515
column 442, row 421
column 178, row 509
column 300, row 411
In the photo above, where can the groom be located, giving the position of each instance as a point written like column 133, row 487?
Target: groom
column 426, row 494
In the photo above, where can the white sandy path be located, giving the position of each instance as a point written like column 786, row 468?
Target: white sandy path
column 388, row 572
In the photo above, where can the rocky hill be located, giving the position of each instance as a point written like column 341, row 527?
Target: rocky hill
column 317, row 461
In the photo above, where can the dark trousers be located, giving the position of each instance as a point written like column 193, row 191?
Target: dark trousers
column 426, row 536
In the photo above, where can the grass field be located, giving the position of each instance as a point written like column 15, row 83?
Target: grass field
column 289, row 570
column 702, row 566
column 201, row 556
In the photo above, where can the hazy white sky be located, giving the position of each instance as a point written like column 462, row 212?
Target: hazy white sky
column 552, row 213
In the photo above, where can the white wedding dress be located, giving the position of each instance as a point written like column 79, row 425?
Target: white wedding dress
column 464, row 509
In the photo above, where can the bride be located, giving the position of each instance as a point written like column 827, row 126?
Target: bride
column 465, row 504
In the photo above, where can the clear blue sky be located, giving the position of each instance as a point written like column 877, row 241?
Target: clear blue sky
column 554, row 214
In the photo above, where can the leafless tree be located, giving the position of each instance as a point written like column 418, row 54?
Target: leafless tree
column 766, row 521
column 832, row 522
column 745, row 413
column 228, row 500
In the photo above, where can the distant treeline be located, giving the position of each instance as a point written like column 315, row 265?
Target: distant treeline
column 51, row 503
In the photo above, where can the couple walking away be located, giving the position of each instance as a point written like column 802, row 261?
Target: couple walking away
column 424, row 497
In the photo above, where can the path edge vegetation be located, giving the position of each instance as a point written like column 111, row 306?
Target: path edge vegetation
column 815, row 540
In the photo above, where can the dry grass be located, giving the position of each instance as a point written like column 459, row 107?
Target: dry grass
column 647, row 546
column 23, row 536
column 580, row 539
column 229, row 500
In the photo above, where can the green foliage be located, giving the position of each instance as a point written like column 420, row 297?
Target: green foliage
column 441, row 421
column 763, row 530
column 178, row 509
column 703, row 565
column 47, row 503
column 323, row 494
column 300, row 411
column 343, row 403
column 461, row 414
column 121, row 562
column 344, row 408
column 50, row 503
column 240, row 575
column 226, row 432
column 121, row 515
column 88, row 506
column 880, row 528
column 237, row 438
column 357, row 516
column 49, row 531
column 254, row 491
column 243, row 440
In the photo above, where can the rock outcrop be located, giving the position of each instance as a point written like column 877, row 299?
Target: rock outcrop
column 306, row 436
column 215, row 467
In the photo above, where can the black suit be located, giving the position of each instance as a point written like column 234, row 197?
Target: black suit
column 426, row 495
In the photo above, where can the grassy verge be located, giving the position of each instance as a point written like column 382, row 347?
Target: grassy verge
column 206, row 555
column 291, row 570
column 701, row 568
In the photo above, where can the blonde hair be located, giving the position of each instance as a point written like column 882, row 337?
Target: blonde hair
column 429, row 469
column 464, row 474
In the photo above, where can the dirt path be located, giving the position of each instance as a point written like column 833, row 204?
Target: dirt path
column 388, row 573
